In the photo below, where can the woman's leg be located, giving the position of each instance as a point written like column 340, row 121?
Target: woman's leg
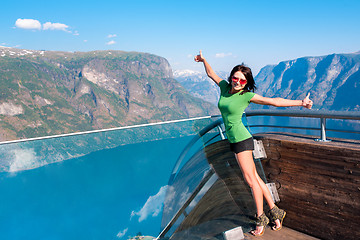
column 268, row 198
column 266, row 192
column 247, row 166
column 257, row 185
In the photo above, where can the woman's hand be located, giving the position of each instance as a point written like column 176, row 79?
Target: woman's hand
column 199, row 58
column 307, row 103
column 209, row 71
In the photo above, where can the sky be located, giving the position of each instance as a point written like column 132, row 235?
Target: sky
column 254, row 32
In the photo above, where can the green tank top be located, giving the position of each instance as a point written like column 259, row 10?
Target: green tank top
column 232, row 107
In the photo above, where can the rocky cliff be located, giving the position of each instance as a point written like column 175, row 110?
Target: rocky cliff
column 44, row 92
column 332, row 80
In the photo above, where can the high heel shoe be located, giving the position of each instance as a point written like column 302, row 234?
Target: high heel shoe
column 262, row 221
column 275, row 214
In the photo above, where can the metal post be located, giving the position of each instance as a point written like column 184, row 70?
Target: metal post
column 322, row 131
column 221, row 132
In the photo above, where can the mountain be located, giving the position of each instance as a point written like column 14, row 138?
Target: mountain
column 332, row 80
column 47, row 92
column 199, row 84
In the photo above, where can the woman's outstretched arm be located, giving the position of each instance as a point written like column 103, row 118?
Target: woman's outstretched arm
column 281, row 102
column 209, row 71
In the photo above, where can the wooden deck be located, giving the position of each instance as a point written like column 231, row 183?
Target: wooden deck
column 285, row 233
column 319, row 187
column 319, row 183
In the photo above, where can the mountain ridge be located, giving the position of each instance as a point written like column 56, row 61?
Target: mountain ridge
column 325, row 77
column 48, row 92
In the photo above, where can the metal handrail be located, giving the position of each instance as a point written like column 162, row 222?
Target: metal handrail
column 105, row 130
column 304, row 128
column 305, row 113
column 321, row 114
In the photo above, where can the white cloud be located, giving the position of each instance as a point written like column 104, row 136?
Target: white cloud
column 85, row 40
column 76, row 33
column 152, row 206
column 122, row 233
column 110, row 42
column 55, row 26
column 222, row 55
column 36, row 25
column 28, row 24
column 112, row 35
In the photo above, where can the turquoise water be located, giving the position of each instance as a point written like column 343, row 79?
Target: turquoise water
column 107, row 194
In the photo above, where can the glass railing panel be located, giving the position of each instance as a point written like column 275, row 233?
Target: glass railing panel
column 190, row 207
column 224, row 219
column 307, row 126
column 202, row 192
column 257, row 124
column 346, row 128
column 194, row 168
column 104, row 185
column 182, row 187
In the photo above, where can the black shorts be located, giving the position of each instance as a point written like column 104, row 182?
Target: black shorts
column 247, row 144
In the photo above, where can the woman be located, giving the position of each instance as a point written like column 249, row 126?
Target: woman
column 236, row 95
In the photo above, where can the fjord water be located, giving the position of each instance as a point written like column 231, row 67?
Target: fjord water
column 104, row 193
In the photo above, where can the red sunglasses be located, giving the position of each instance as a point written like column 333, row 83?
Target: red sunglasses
column 242, row 81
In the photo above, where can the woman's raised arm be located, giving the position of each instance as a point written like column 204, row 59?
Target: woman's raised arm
column 281, row 102
column 209, row 71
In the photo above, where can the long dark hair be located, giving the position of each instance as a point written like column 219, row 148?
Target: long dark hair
column 250, row 85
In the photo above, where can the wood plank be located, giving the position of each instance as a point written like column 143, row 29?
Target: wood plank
column 319, row 184
column 284, row 233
